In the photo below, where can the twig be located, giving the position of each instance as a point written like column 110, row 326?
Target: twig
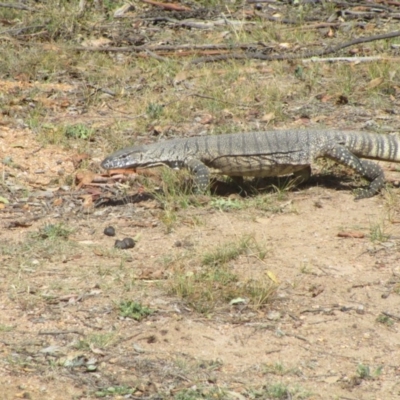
column 309, row 54
column 351, row 59
column 156, row 56
column 242, row 46
column 126, row 339
column 17, row 6
column 55, row 333
column 223, row 57
column 37, row 150
column 391, row 315
column 22, row 30
column 127, row 116
column 377, row 6
column 100, row 89
column 165, row 6
column 188, row 23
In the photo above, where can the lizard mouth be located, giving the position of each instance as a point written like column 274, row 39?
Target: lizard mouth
column 112, row 163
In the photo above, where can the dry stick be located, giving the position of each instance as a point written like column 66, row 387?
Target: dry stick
column 307, row 54
column 369, row 5
column 54, row 333
column 195, row 53
column 365, row 14
column 188, row 23
column 390, row 315
column 156, row 56
column 351, row 59
column 17, row 6
column 171, row 7
column 377, row 6
column 243, row 46
column 21, row 31
column 282, row 20
column 320, row 25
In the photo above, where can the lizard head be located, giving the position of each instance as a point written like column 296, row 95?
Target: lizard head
column 132, row 157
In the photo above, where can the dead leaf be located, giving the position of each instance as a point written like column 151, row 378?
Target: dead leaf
column 85, row 178
column 316, row 290
column 146, row 273
column 119, row 12
column 351, row 234
column 58, row 202
column 78, row 158
column 98, row 252
column 324, row 98
column 273, row 277
column 118, row 171
column 95, row 350
column 93, row 191
column 374, row 83
column 332, row 379
column 87, row 200
column 100, row 42
column 206, row 119
column 342, row 99
column 268, row 117
column 181, row 76
column 354, row 51
column 20, row 224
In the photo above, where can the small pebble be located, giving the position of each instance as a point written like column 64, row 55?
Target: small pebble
column 109, row 231
column 127, row 243
column 274, row 315
column 119, row 244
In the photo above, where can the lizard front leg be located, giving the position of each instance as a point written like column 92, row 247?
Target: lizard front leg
column 201, row 173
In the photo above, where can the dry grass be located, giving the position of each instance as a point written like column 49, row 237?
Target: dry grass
column 210, row 284
column 93, row 308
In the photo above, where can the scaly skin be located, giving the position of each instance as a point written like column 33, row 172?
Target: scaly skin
column 261, row 154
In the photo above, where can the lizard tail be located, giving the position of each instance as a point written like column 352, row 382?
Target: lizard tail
column 373, row 145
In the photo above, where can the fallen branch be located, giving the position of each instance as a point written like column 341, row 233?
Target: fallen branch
column 308, row 54
column 156, row 56
column 20, row 31
column 249, row 52
column 351, row 59
column 321, row 25
column 55, row 333
column 242, row 46
column 17, row 6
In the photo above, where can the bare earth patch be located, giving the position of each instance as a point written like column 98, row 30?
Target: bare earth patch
column 285, row 294
column 335, row 313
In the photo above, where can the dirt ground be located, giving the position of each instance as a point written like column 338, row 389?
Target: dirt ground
column 331, row 331
column 326, row 335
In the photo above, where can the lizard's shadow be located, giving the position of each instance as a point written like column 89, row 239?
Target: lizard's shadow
column 253, row 187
